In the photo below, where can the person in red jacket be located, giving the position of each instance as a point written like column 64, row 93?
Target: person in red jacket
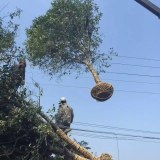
column 11, row 82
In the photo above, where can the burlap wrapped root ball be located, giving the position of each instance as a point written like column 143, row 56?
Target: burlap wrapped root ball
column 102, row 91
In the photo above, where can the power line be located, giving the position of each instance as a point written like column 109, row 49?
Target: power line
column 117, row 146
column 90, row 88
column 59, row 85
column 148, row 59
column 131, row 81
column 107, row 79
column 108, row 137
column 104, row 136
column 119, row 134
column 102, row 126
column 136, row 138
column 139, row 58
column 130, row 74
column 137, row 92
column 116, row 128
column 134, row 65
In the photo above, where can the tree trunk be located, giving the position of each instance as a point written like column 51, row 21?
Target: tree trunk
column 94, row 73
column 72, row 143
column 69, row 154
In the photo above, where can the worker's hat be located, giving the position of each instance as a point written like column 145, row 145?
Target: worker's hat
column 63, row 99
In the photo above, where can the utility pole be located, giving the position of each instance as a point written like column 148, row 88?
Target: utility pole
column 150, row 6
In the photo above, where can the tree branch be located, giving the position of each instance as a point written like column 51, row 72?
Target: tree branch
column 4, row 7
column 67, row 153
column 84, row 51
column 72, row 143
column 14, row 149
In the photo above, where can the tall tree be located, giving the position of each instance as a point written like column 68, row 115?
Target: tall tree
column 66, row 39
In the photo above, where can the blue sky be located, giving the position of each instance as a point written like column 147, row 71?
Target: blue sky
column 132, row 31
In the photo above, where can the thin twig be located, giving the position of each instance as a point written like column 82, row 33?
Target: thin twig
column 4, row 7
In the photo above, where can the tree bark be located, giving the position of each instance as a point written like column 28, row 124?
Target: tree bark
column 105, row 156
column 94, row 73
column 87, row 155
column 67, row 153
column 72, row 143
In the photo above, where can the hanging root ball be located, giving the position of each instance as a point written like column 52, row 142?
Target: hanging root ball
column 102, row 91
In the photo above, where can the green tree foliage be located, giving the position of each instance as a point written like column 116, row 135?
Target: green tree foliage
column 8, row 33
column 24, row 134
column 20, row 133
column 67, row 38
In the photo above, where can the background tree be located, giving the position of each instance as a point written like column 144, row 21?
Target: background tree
column 9, row 51
column 66, row 39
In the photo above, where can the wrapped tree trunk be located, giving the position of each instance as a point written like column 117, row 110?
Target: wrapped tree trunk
column 102, row 91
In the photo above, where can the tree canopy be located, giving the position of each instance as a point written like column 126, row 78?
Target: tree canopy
column 26, row 133
column 67, row 39
column 8, row 33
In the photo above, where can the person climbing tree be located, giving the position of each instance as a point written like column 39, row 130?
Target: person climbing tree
column 17, row 75
column 11, row 81
column 65, row 115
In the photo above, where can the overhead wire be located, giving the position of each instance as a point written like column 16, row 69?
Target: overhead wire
column 93, row 134
column 122, row 56
column 130, row 74
column 132, row 81
column 90, row 88
column 107, row 79
column 115, row 128
column 133, row 74
column 108, row 137
column 139, row 58
column 118, row 134
column 101, row 135
column 134, row 65
column 113, row 138
column 103, row 126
